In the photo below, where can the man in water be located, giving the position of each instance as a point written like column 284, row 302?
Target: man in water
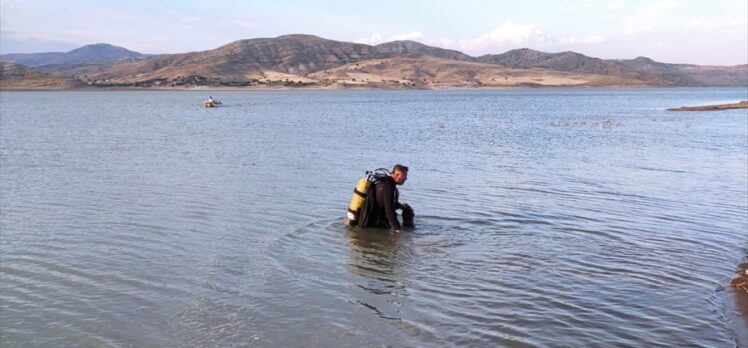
column 387, row 197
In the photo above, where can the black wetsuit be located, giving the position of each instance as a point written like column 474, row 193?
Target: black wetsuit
column 387, row 201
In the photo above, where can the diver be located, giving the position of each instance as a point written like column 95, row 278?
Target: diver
column 376, row 199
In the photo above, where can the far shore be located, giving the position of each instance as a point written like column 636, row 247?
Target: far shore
column 741, row 105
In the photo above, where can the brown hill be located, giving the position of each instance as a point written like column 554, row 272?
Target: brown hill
column 412, row 49
column 257, row 59
column 430, row 72
column 643, row 69
column 309, row 60
column 16, row 76
column 716, row 75
column 237, row 63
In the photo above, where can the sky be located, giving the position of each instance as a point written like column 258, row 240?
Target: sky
column 713, row 32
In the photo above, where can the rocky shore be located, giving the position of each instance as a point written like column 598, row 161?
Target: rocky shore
column 741, row 105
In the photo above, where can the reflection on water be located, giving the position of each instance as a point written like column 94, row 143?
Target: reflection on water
column 374, row 252
column 375, row 258
column 546, row 218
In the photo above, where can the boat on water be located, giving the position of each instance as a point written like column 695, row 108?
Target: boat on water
column 210, row 103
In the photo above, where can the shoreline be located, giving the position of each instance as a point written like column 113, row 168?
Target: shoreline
column 739, row 285
column 739, row 105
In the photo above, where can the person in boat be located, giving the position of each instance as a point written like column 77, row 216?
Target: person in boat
column 382, row 212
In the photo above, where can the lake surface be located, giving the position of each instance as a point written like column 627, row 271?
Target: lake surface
column 545, row 218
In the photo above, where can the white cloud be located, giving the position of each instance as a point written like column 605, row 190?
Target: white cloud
column 190, row 19
column 508, row 34
column 195, row 22
column 9, row 5
column 651, row 18
column 407, row 36
column 587, row 40
column 245, row 24
column 616, row 6
column 376, row 38
column 441, row 42
column 639, row 29
column 658, row 8
column 713, row 24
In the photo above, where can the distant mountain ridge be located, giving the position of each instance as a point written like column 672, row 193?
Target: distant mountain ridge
column 413, row 49
column 641, row 68
column 95, row 53
column 299, row 59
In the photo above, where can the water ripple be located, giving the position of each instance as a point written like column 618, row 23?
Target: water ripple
column 140, row 219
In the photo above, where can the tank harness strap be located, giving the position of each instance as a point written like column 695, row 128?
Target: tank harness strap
column 354, row 212
column 363, row 195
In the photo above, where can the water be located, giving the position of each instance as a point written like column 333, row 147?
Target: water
column 548, row 217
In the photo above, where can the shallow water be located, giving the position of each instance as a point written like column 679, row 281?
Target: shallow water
column 549, row 217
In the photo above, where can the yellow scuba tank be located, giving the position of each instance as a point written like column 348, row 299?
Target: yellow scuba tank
column 357, row 201
column 360, row 192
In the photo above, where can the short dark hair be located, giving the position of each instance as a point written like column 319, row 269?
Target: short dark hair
column 400, row 167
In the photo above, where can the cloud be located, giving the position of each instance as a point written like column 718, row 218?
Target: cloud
column 639, row 29
column 407, row 36
column 441, row 42
column 658, row 8
column 245, row 24
column 376, row 38
column 190, row 19
column 587, row 40
column 507, row 34
column 716, row 24
column 714, row 36
column 192, row 22
column 9, row 5
column 656, row 17
column 616, row 6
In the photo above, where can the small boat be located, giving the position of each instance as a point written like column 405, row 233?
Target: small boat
column 211, row 103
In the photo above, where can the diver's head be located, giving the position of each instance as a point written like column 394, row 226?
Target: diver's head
column 399, row 174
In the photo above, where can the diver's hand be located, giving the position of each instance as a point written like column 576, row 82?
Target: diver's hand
column 398, row 231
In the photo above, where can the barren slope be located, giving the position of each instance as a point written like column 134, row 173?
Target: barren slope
column 15, row 76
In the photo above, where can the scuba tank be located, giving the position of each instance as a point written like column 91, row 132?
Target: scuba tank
column 360, row 192
column 357, row 201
